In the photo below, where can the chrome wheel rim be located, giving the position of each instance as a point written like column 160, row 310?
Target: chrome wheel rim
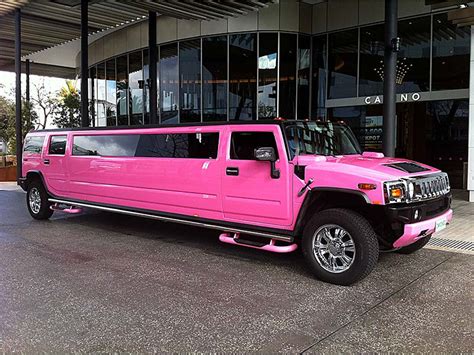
column 35, row 200
column 334, row 248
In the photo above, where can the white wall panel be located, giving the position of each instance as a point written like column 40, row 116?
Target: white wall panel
column 269, row 18
column 246, row 22
column 305, row 17
column 320, row 18
column 166, row 29
column 289, row 15
column 213, row 27
column 187, row 29
column 342, row 14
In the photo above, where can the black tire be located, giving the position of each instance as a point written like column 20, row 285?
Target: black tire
column 363, row 237
column 415, row 246
column 42, row 210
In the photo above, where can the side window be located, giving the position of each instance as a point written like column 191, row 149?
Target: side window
column 179, row 145
column 117, row 145
column 243, row 144
column 33, row 144
column 57, row 145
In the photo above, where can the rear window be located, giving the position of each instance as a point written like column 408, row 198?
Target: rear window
column 57, row 145
column 33, row 144
column 180, row 145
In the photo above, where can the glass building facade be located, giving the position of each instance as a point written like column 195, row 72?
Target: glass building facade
column 332, row 76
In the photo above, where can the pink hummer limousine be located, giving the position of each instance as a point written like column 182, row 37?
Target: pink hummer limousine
column 270, row 185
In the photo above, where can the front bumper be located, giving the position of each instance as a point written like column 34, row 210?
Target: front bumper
column 415, row 231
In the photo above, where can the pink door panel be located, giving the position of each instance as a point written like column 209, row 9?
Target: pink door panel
column 250, row 194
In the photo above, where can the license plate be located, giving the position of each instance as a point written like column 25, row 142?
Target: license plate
column 440, row 225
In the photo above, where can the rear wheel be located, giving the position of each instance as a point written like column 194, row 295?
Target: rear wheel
column 340, row 246
column 415, row 246
column 37, row 200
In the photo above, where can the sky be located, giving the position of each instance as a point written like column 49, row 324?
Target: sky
column 7, row 85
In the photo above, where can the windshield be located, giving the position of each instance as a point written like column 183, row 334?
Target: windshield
column 321, row 138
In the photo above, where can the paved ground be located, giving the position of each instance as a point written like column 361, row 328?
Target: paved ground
column 104, row 282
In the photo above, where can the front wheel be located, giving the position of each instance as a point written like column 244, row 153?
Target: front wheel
column 37, row 201
column 340, row 246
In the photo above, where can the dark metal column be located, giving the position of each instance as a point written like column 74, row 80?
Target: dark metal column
column 389, row 85
column 152, row 65
column 84, row 64
column 27, row 93
column 18, row 121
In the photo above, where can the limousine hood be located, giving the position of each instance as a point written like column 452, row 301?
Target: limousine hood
column 347, row 172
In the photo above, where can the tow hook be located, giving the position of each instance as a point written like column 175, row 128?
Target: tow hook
column 306, row 187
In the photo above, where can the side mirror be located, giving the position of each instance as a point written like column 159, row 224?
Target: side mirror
column 265, row 154
column 268, row 154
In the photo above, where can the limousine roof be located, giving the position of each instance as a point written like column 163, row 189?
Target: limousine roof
column 197, row 124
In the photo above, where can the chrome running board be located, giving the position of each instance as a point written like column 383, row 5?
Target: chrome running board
column 176, row 220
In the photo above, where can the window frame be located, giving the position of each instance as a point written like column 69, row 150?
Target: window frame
column 230, row 146
column 50, row 141
column 28, row 152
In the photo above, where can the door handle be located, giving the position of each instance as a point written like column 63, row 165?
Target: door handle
column 232, row 171
column 46, row 161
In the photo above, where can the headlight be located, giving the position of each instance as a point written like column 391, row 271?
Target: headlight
column 396, row 191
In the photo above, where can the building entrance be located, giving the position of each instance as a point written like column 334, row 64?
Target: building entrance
column 431, row 132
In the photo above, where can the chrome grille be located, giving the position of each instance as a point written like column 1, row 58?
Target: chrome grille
column 430, row 186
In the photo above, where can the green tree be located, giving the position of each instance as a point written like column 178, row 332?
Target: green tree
column 67, row 112
column 29, row 119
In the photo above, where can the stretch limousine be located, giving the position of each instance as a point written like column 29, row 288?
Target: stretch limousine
column 270, row 185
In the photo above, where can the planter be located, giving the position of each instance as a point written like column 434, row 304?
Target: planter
column 8, row 173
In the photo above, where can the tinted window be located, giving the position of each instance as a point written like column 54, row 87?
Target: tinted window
column 182, row 145
column 214, row 75
column 318, row 90
column 123, row 145
column 287, row 75
column 190, row 80
column 57, row 145
column 413, row 63
column 267, row 75
column 451, row 47
column 304, row 61
column 342, row 64
column 169, row 88
column 243, row 144
column 242, row 76
column 371, row 60
column 33, row 144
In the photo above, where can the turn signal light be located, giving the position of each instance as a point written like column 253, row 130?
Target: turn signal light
column 396, row 192
column 367, row 186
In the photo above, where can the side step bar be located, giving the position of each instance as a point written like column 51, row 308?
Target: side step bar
column 279, row 237
column 71, row 209
column 272, row 247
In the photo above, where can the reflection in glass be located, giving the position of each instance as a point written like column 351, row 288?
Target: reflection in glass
column 92, row 98
column 135, row 80
column 318, row 89
column 190, row 80
column 304, row 58
column 110, row 107
column 342, row 64
column 371, row 60
column 413, row 63
column 243, row 76
column 267, row 75
column 287, row 91
column 169, row 83
column 447, row 137
column 214, row 76
column 122, row 88
column 101, row 121
column 146, row 87
column 451, row 47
